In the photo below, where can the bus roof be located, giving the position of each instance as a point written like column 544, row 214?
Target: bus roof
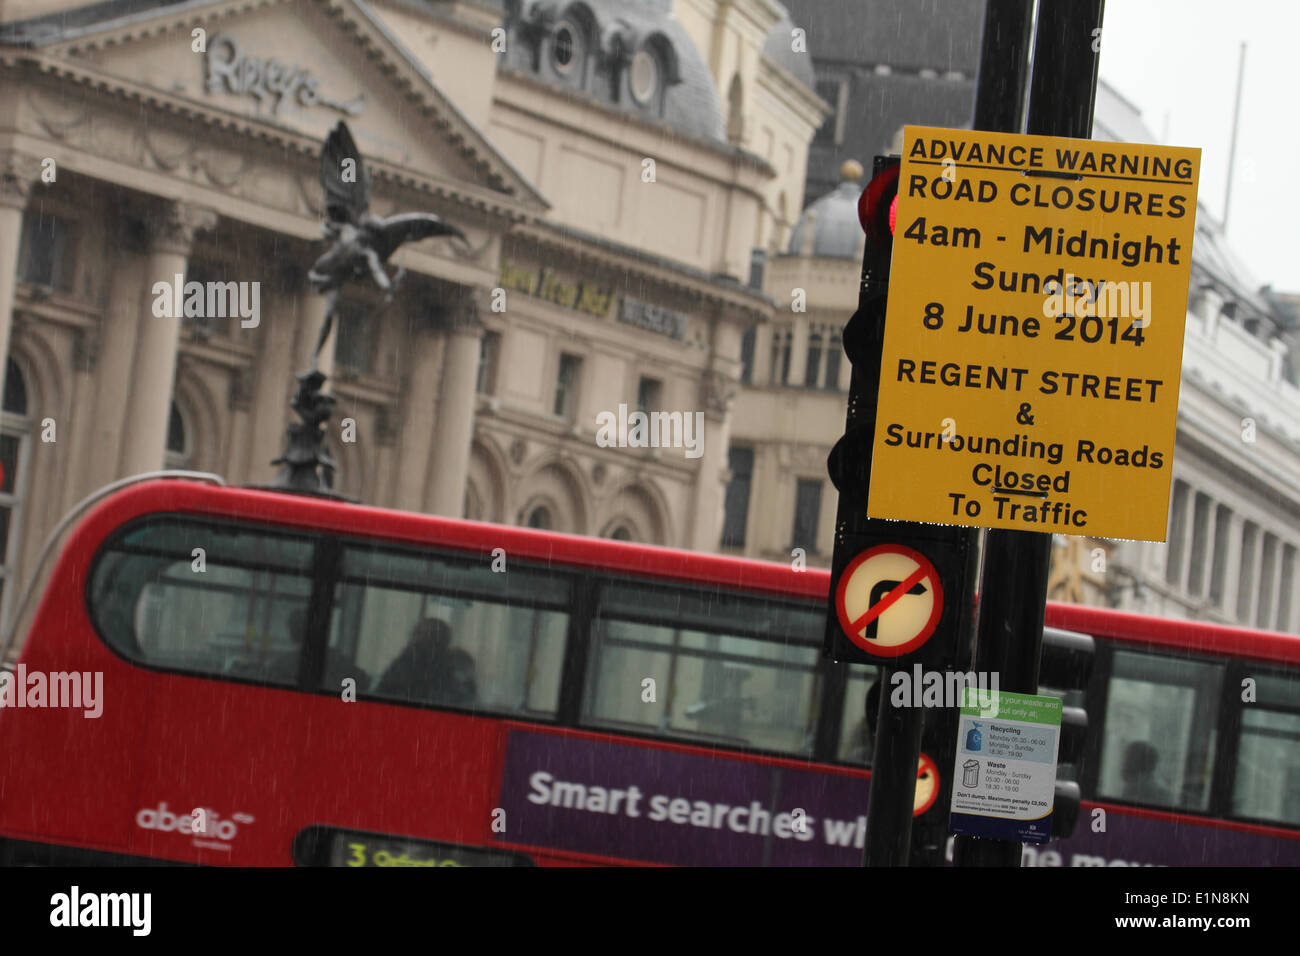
column 312, row 513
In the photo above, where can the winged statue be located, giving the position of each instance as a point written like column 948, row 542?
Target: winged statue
column 362, row 242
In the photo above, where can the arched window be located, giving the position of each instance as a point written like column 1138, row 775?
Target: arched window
column 178, row 448
column 621, row 533
column 14, row 427
column 540, row 518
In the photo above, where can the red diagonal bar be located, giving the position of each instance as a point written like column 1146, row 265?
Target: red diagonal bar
column 887, row 601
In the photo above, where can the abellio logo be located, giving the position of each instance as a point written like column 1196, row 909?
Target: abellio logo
column 203, row 822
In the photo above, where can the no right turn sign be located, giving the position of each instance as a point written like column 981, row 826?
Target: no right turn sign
column 889, row 600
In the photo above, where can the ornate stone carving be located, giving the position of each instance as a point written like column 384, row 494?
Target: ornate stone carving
column 174, row 226
column 719, row 392
column 518, row 451
column 18, row 174
column 167, row 148
column 471, row 253
column 463, row 317
column 60, row 115
column 221, row 167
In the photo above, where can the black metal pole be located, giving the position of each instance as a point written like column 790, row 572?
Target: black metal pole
column 1013, row 586
column 999, row 107
column 898, row 730
column 893, row 780
column 1004, row 66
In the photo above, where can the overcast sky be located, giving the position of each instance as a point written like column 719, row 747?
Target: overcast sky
column 1176, row 60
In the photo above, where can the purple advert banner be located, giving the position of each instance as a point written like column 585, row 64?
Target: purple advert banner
column 641, row 803
column 661, row 806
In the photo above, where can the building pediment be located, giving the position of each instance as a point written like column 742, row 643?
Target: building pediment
column 284, row 69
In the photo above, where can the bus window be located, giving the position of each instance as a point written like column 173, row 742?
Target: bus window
column 437, row 630
column 213, row 599
column 857, row 744
column 1268, row 757
column 712, row 681
column 1160, row 731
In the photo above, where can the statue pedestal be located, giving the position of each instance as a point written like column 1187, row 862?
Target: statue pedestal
column 308, row 468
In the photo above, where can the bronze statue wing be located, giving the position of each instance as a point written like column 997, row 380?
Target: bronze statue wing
column 347, row 184
column 410, row 227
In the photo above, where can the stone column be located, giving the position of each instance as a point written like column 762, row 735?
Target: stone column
column 718, row 390
column 799, row 350
column 144, row 435
column 18, row 173
column 1184, row 542
column 455, row 429
column 763, row 354
column 1232, row 566
column 710, row 487
column 116, row 346
column 1246, row 615
column 421, row 406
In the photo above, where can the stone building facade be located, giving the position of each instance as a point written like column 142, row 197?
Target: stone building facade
column 611, row 196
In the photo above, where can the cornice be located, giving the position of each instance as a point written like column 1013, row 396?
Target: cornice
column 786, row 86
column 436, row 14
column 284, row 139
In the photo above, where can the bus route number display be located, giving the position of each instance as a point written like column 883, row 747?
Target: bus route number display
column 1034, row 333
column 328, row 846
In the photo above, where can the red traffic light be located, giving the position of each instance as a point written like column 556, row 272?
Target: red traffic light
column 878, row 205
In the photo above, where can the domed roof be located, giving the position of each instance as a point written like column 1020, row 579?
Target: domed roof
column 833, row 220
column 682, row 92
column 779, row 47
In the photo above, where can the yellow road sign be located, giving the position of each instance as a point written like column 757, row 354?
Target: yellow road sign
column 1034, row 333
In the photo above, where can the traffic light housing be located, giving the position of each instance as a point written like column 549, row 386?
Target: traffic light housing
column 849, row 463
column 878, row 204
column 1065, row 666
column 945, row 553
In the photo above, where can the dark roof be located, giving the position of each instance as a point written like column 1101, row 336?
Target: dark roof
column 876, row 108
column 53, row 27
column 692, row 105
column 941, row 35
column 837, row 234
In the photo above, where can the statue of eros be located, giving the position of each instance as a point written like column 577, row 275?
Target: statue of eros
column 362, row 242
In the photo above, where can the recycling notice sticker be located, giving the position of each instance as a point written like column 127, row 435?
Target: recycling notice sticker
column 1004, row 779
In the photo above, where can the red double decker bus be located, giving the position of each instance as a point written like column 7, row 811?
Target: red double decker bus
column 238, row 676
